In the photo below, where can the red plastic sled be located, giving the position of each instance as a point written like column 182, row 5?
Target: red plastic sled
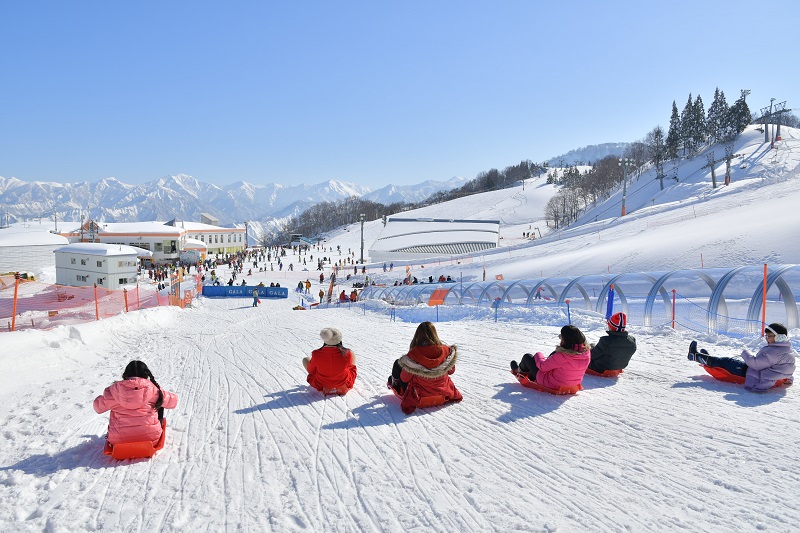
column 336, row 391
column 605, row 373
column 136, row 450
column 563, row 389
column 425, row 401
column 723, row 375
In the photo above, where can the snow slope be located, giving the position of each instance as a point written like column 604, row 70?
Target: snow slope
column 251, row 448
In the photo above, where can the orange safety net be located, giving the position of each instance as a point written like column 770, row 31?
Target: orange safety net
column 33, row 304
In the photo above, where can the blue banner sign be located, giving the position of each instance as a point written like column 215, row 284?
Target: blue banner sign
column 243, row 291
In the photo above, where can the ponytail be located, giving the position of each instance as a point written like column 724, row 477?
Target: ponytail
column 160, row 402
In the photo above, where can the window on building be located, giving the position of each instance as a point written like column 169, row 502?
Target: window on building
column 159, row 247
column 99, row 263
column 123, row 281
column 72, row 260
column 83, row 262
column 82, row 278
column 215, row 239
column 100, row 281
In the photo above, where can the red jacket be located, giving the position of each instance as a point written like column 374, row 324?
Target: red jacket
column 133, row 417
column 330, row 369
column 427, row 371
column 562, row 367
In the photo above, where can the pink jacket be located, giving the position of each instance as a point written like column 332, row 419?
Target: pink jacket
column 133, row 417
column 563, row 367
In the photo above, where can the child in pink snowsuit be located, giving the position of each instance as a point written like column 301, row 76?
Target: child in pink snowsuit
column 137, row 405
column 564, row 367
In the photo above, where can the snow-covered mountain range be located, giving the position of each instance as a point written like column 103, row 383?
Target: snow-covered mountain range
column 184, row 197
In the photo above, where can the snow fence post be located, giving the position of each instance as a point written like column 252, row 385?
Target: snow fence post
column 610, row 302
column 763, row 302
column 125, row 295
column 96, row 304
column 673, row 308
column 569, row 319
column 14, row 311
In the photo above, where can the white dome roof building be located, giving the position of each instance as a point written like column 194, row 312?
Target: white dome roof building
column 423, row 238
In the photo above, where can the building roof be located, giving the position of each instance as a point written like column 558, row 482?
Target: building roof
column 194, row 244
column 437, row 236
column 30, row 234
column 199, row 226
column 100, row 249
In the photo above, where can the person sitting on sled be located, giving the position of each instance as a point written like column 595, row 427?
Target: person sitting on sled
column 331, row 368
column 774, row 361
column 564, row 367
column 614, row 350
column 137, row 405
column 425, row 370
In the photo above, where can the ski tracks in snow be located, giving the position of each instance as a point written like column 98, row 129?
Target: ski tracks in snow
column 252, row 447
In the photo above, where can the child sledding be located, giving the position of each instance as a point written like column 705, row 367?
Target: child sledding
column 613, row 352
column 421, row 378
column 331, row 368
column 562, row 371
column 772, row 366
column 136, row 427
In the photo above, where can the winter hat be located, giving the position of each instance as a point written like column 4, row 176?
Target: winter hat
column 572, row 338
column 780, row 331
column 331, row 336
column 617, row 322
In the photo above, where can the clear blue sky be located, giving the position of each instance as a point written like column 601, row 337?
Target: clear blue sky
column 371, row 92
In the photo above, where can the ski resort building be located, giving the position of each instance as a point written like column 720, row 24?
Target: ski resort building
column 28, row 247
column 166, row 240
column 423, row 238
column 83, row 264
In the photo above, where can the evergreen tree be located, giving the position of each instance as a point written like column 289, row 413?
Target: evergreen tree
column 717, row 113
column 687, row 122
column 738, row 117
column 698, row 122
column 674, row 134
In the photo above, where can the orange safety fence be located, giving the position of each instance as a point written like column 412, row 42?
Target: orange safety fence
column 32, row 304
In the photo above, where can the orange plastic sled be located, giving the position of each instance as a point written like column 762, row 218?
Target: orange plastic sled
column 563, row 389
column 136, row 450
column 425, row 401
column 605, row 373
column 723, row 375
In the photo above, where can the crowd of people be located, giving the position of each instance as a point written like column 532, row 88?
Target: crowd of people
column 424, row 372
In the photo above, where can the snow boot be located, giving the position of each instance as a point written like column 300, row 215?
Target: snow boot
column 692, row 350
column 514, row 367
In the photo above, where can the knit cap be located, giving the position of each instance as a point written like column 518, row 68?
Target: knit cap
column 617, row 322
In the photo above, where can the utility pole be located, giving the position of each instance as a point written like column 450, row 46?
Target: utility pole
column 764, row 117
column 773, row 128
column 729, row 155
column 780, row 113
column 710, row 164
column 624, row 162
column 361, row 217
